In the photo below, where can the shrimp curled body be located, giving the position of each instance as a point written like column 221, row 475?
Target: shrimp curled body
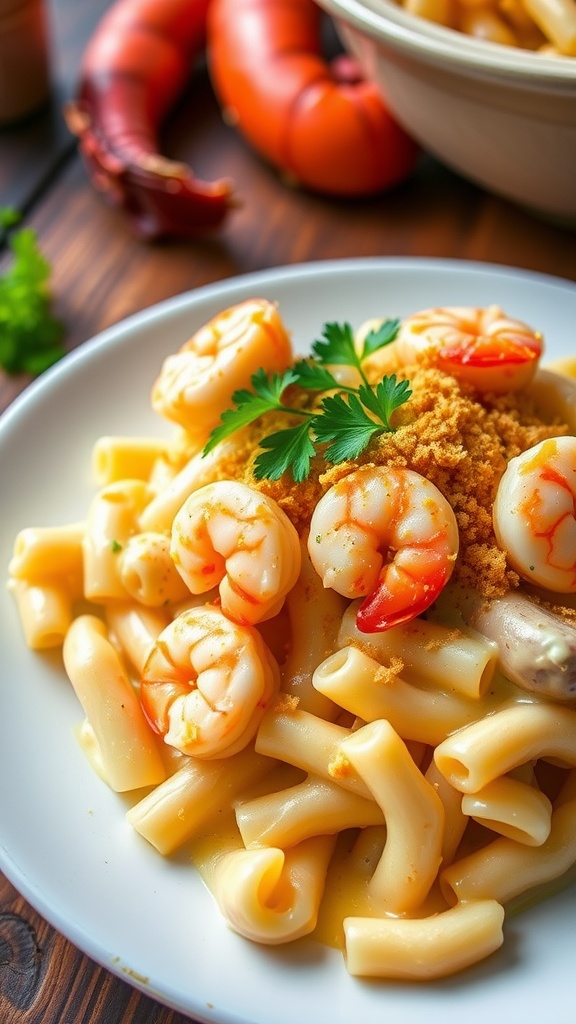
column 228, row 535
column 196, row 384
column 534, row 514
column 207, row 682
column 388, row 535
column 483, row 347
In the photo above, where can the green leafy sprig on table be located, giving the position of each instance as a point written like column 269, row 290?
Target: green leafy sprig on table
column 30, row 336
column 346, row 421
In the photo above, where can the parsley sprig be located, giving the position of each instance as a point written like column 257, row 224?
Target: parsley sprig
column 346, row 420
column 30, row 336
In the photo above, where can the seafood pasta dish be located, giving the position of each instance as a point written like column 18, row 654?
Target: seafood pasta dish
column 323, row 633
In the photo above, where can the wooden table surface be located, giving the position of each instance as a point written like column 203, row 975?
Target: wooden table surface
column 101, row 273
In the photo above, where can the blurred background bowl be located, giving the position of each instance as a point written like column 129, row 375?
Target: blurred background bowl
column 503, row 117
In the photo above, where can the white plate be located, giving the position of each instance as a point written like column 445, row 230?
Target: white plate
column 63, row 839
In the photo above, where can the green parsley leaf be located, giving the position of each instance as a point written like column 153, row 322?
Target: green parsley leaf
column 270, row 388
column 338, row 346
column 250, row 405
column 390, row 393
column 314, row 377
column 30, row 336
column 286, row 449
column 8, row 217
column 379, row 338
column 345, row 423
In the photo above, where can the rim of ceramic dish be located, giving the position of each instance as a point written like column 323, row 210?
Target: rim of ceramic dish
column 385, row 20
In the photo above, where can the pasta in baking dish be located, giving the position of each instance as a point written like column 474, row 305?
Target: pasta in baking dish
column 324, row 636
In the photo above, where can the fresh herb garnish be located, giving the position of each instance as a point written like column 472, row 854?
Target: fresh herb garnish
column 250, row 405
column 292, row 449
column 30, row 336
column 346, row 421
column 338, row 347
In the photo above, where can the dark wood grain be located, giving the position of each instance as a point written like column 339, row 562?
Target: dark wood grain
column 101, row 274
column 32, row 150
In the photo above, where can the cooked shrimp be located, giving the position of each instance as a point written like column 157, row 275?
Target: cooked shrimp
column 196, row 384
column 147, row 571
column 228, row 535
column 388, row 535
column 483, row 347
column 534, row 514
column 207, row 682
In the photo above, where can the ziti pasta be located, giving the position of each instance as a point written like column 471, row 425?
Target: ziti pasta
column 324, row 638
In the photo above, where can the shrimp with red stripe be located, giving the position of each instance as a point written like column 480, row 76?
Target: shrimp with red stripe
column 534, row 514
column 481, row 346
column 388, row 535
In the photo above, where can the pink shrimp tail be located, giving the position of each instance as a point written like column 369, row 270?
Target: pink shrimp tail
column 403, row 592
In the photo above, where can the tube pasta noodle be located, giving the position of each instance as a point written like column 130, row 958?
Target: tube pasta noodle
column 478, row 754
column 463, row 659
column 506, row 869
column 484, row 22
column 310, row 743
column 117, row 458
column 197, row 792
column 411, row 858
column 47, row 551
column 45, row 610
column 548, row 26
column 322, row 761
column 45, row 578
column 512, row 808
column 313, row 807
column 557, row 20
column 128, row 749
column 197, row 471
column 424, row 949
column 271, row 895
column 135, row 630
column 455, row 818
column 440, row 11
column 364, row 687
column 112, row 520
column 315, row 615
